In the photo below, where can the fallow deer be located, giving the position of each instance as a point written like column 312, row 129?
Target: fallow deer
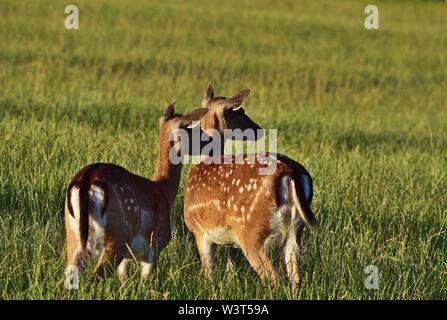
column 232, row 204
column 122, row 215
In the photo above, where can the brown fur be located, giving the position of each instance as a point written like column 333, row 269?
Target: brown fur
column 133, row 207
column 214, row 201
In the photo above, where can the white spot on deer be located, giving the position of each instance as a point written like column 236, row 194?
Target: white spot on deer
column 242, row 209
column 235, row 207
column 128, row 208
column 237, row 182
column 233, row 181
column 248, row 187
column 241, row 189
column 131, row 200
column 122, row 189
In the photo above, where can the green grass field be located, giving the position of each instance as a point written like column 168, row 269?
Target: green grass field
column 364, row 111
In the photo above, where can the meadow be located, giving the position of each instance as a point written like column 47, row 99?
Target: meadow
column 365, row 111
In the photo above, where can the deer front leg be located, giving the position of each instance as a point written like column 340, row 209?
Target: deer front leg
column 149, row 260
column 149, row 263
column 205, row 247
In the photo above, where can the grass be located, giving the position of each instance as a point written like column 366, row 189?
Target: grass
column 364, row 111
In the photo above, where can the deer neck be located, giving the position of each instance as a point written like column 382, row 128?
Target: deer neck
column 217, row 134
column 167, row 174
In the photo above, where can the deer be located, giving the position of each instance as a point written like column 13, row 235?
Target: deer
column 230, row 203
column 122, row 216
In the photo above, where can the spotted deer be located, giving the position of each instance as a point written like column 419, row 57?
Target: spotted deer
column 120, row 215
column 230, row 203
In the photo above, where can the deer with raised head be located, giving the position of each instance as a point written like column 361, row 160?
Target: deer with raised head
column 230, row 203
column 120, row 215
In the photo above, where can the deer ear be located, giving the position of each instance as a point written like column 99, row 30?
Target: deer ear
column 194, row 115
column 169, row 112
column 234, row 102
column 209, row 94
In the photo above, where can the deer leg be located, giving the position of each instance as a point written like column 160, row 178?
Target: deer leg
column 123, row 269
column 291, row 251
column 232, row 255
column 291, row 254
column 75, row 258
column 205, row 246
column 149, row 263
column 107, row 262
column 258, row 258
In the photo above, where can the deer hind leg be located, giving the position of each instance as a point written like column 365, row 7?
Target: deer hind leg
column 256, row 254
column 108, row 261
column 291, row 254
column 231, row 262
column 75, row 257
column 205, row 247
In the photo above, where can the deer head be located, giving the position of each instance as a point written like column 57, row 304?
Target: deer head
column 178, row 130
column 176, row 140
column 227, row 113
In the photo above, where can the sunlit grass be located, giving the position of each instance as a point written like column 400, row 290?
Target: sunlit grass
column 364, row 111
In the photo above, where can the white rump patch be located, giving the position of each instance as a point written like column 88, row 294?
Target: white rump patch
column 98, row 222
column 284, row 190
column 74, row 220
column 97, row 196
column 74, row 200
